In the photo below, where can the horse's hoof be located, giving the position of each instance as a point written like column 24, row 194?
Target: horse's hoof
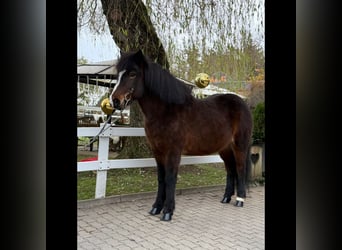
column 239, row 204
column 155, row 211
column 166, row 217
column 225, row 200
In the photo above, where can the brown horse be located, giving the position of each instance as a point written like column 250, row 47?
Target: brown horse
column 176, row 123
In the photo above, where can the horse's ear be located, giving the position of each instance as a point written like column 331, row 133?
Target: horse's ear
column 140, row 58
column 139, row 54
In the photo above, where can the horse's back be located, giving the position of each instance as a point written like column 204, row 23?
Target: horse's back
column 238, row 113
column 215, row 122
column 228, row 106
column 231, row 101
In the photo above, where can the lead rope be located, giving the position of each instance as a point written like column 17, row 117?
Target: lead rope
column 128, row 98
column 102, row 130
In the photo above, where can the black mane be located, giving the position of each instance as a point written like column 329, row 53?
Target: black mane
column 160, row 82
column 157, row 80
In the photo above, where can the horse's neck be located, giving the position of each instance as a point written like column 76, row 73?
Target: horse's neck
column 152, row 106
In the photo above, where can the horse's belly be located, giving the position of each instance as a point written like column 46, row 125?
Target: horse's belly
column 204, row 145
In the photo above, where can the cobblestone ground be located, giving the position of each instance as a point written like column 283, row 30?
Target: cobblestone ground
column 200, row 221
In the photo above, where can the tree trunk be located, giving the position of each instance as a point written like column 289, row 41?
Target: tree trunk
column 132, row 29
column 135, row 146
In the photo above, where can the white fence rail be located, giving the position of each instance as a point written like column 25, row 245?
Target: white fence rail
column 103, row 164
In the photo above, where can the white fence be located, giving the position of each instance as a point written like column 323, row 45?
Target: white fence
column 103, row 163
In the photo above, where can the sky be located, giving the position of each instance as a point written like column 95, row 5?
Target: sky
column 96, row 48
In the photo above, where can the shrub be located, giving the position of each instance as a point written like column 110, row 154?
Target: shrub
column 259, row 123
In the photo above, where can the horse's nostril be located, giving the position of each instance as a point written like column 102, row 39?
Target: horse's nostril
column 116, row 103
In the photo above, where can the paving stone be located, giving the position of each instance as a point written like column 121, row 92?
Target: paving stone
column 200, row 221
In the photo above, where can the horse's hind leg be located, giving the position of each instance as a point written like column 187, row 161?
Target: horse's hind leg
column 240, row 159
column 227, row 156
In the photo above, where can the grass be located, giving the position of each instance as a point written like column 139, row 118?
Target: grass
column 135, row 180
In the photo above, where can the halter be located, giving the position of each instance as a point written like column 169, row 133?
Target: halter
column 127, row 99
column 128, row 95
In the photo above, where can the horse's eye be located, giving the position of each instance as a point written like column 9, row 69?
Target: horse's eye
column 132, row 74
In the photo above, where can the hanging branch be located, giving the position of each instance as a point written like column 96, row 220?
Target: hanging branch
column 132, row 29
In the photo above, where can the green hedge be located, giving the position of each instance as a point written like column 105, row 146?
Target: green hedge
column 259, row 123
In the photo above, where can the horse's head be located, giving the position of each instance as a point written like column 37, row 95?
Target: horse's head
column 130, row 81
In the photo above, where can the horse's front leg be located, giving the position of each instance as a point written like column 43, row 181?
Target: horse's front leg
column 167, row 179
column 170, row 190
column 159, row 203
column 172, row 161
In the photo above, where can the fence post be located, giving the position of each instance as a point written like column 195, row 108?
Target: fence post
column 101, row 177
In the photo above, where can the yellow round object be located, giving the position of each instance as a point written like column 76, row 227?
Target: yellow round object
column 202, row 80
column 106, row 106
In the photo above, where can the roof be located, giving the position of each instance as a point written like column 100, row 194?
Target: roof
column 101, row 73
column 104, row 74
column 211, row 89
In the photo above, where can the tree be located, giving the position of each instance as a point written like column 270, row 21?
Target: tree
column 132, row 29
column 186, row 31
column 171, row 27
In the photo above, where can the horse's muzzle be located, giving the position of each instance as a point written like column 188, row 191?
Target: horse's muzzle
column 121, row 105
column 116, row 104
